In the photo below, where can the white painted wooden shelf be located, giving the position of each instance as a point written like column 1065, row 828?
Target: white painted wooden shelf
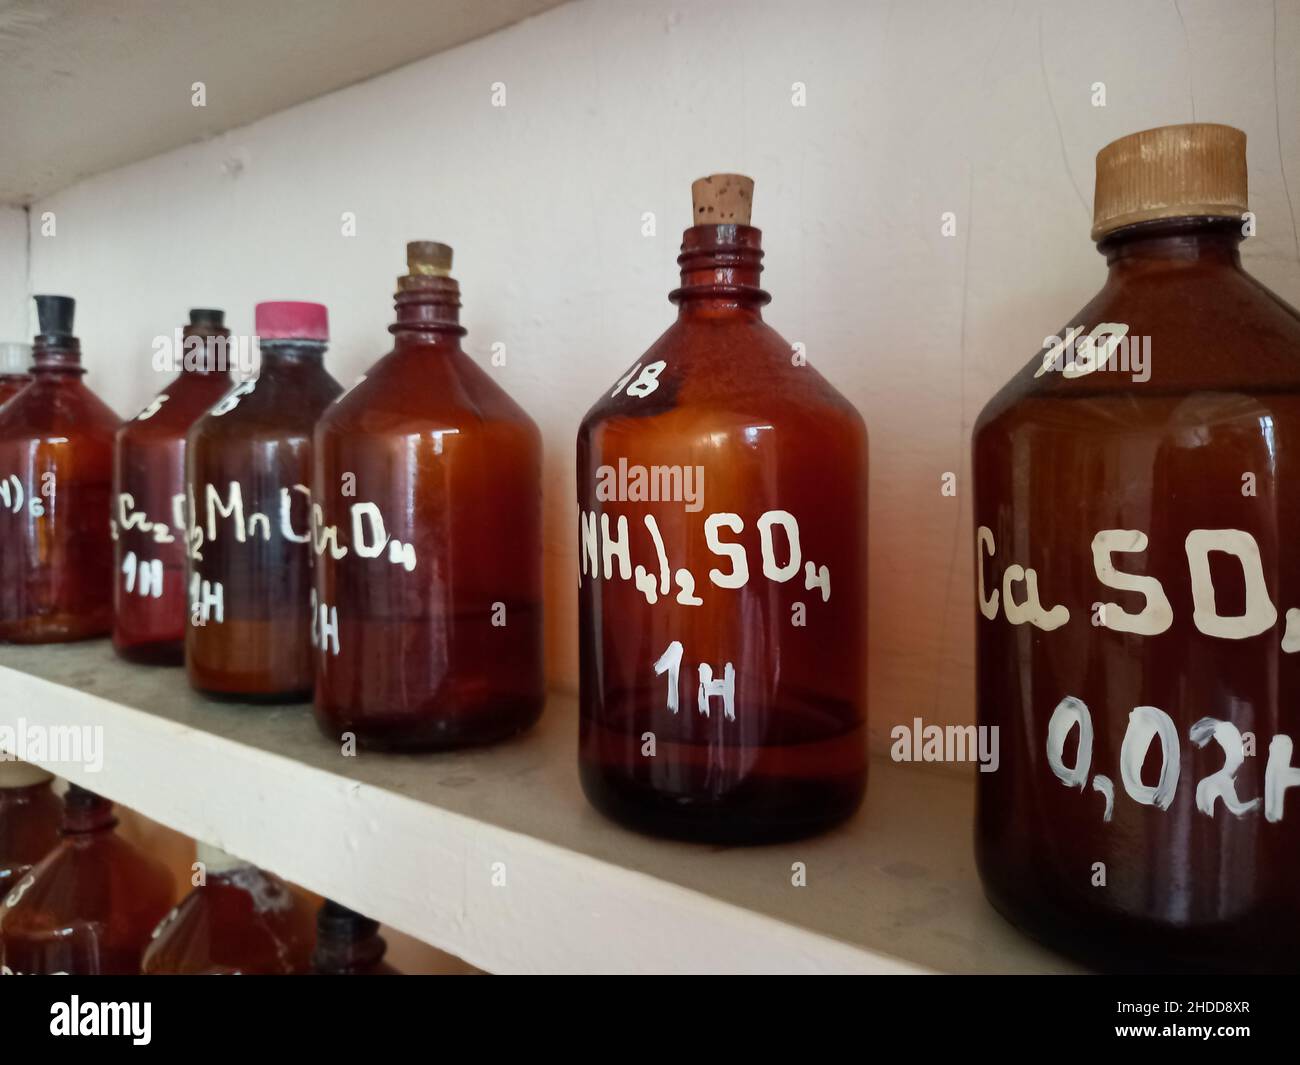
column 415, row 841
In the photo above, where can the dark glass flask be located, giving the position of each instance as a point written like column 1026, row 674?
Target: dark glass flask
column 149, row 521
column 56, row 458
column 428, row 539
column 722, row 543
column 1138, row 621
column 248, row 475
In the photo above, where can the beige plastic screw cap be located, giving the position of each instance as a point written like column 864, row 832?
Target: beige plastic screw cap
column 1195, row 170
column 722, row 199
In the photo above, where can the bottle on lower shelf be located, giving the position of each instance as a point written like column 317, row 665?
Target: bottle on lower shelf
column 238, row 920
column 89, row 907
column 30, row 815
column 348, row 944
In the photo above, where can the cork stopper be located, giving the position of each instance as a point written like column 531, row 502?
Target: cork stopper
column 722, row 199
column 428, row 258
column 1195, row 170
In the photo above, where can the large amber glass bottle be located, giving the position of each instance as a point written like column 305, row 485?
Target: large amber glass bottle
column 428, row 539
column 30, row 815
column 15, row 369
column 56, row 458
column 248, row 471
column 722, row 496
column 1137, row 497
column 149, row 520
column 89, row 907
column 239, row 921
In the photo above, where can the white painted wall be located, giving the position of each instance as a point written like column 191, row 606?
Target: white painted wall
column 13, row 274
column 612, row 109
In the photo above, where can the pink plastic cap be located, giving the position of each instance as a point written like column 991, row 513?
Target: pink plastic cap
column 291, row 320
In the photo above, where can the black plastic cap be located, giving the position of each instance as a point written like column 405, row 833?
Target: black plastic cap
column 208, row 316
column 77, row 797
column 55, row 315
column 336, row 922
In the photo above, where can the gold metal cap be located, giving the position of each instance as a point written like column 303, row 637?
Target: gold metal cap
column 1170, row 172
column 428, row 258
column 722, row 199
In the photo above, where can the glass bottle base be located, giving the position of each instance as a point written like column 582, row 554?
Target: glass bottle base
column 443, row 730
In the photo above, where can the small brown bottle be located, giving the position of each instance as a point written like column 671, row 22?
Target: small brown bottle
column 348, row 944
column 429, row 539
column 89, row 907
column 30, row 815
column 239, row 921
column 722, row 606
column 149, row 510
column 248, row 471
column 1136, row 507
column 15, row 369
column 56, row 459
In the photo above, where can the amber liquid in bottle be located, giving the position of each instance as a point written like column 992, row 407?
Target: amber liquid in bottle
column 15, row 369
column 56, row 457
column 30, row 816
column 1129, row 822
column 250, row 559
column 89, row 907
column 348, row 944
column 150, row 602
column 429, row 553
column 240, row 922
column 722, row 490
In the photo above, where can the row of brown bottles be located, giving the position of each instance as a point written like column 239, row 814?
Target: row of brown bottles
column 76, row 898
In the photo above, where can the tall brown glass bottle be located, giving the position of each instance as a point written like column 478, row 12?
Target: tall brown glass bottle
column 89, row 907
column 429, row 539
column 15, row 369
column 30, row 815
column 240, row 921
column 149, row 523
column 722, row 496
column 56, row 459
column 348, row 944
column 248, row 471
column 1136, row 495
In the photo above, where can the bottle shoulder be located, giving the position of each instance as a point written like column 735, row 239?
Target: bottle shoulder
column 268, row 408
column 170, row 414
column 1166, row 337
column 419, row 390
column 65, row 408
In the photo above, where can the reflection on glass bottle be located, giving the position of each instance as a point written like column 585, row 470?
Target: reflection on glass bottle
column 248, row 471
column 89, row 907
column 1135, row 502
column 30, row 815
column 56, row 457
column 238, row 921
column 722, row 496
column 428, row 549
column 348, row 944
column 149, row 523
column 15, row 369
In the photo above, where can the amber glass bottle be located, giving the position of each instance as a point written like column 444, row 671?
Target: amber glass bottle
column 248, row 471
column 15, row 369
column 56, row 458
column 30, row 815
column 348, row 944
column 89, row 906
column 240, row 921
column 149, row 519
column 428, row 540
column 1135, row 497
column 722, row 496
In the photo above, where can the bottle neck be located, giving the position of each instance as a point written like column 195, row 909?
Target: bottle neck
column 56, row 355
column 720, row 270
column 85, row 813
column 428, row 311
column 290, row 359
column 1172, row 244
column 201, row 352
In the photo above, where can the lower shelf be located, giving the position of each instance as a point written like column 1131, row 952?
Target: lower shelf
column 494, row 855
